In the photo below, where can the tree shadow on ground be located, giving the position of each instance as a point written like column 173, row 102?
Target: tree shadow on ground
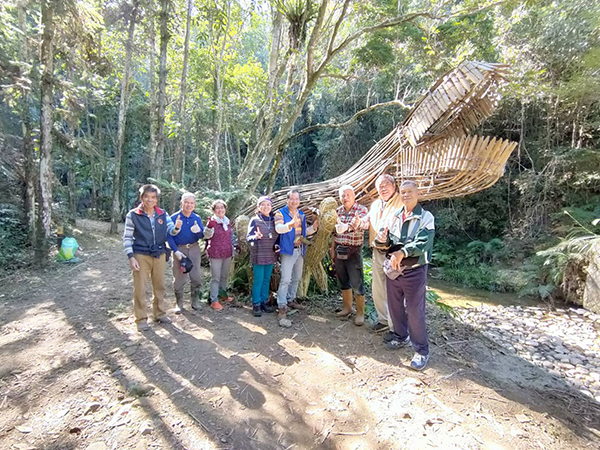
column 165, row 357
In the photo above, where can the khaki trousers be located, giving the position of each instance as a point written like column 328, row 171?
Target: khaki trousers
column 155, row 269
column 195, row 275
column 379, row 288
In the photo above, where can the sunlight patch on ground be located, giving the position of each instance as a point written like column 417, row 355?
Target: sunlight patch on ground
column 195, row 331
column 250, row 326
column 321, row 356
column 93, row 273
column 318, row 319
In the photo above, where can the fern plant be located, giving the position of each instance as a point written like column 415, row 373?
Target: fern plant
column 563, row 261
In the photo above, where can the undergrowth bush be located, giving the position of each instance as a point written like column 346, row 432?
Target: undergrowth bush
column 14, row 238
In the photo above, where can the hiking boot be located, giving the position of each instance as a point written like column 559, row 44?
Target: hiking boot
column 295, row 305
column 216, row 306
column 359, row 320
column 347, row 301
column 179, row 302
column 256, row 310
column 143, row 325
column 396, row 343
column 164, row 319
column 266, row 308
column 195, row 294
column 380, row 327
column 419, row 361
column 282, row 317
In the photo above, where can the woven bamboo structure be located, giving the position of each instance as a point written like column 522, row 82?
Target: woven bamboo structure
column 433, row 145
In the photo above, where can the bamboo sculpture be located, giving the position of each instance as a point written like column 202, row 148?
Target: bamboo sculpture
column 432, row 146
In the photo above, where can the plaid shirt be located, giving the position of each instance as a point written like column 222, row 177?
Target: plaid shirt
column 353, row 238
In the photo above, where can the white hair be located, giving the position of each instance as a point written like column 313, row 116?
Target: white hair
column 187, row 195
column 344, row 188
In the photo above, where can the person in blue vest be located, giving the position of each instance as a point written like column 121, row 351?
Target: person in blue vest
column 185, row 243
column 144, row 240
column 290, row 224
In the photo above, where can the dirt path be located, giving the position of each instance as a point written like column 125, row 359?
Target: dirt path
column 75, row 375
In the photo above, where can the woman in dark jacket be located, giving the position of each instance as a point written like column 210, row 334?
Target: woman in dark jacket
column 264, row 246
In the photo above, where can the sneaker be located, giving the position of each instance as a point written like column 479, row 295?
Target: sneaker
column 256, row 310
column 380, row 327
column 164, row 319
column 419, row 361
column 226, row 299
column 266, row 308
column 390, row 336
column 143, row 326
column 396, row 343
column 295, row 305
column 216, row 306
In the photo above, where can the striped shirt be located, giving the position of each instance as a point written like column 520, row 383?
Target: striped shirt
column 352, row 237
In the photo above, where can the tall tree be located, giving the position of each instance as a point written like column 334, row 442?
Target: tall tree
column 46, row 92
column 178, row 156
column 219, row 33
column 165, row 36
column 27, row 142
column 123, row 104
column 152, row 56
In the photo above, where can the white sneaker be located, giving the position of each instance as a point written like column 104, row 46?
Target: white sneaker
column 419, row 361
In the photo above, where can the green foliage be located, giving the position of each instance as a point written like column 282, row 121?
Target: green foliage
column 14, row 238
column 571, row 252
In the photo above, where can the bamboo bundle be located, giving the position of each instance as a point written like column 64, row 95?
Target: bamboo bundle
column 432, row 145
column 318, row 247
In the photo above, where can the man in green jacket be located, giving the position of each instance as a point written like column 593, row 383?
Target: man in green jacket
column 409, row 235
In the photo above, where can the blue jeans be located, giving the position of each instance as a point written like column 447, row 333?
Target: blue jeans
column 261, row 282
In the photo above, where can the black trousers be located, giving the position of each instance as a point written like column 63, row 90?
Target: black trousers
column 350, row 273
column 406, row 302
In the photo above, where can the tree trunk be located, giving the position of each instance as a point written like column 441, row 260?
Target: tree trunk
column 27, row 143
column 177, row 169
column 152, row 43
column 46, row 87
column 218, row 77
column 115, row 217
column 165, row 36
column 227, row 153
column 214, row 168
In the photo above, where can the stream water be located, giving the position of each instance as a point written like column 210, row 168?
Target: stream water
column 459, row 296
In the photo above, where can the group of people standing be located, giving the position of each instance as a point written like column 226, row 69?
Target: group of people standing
column 401, row 235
